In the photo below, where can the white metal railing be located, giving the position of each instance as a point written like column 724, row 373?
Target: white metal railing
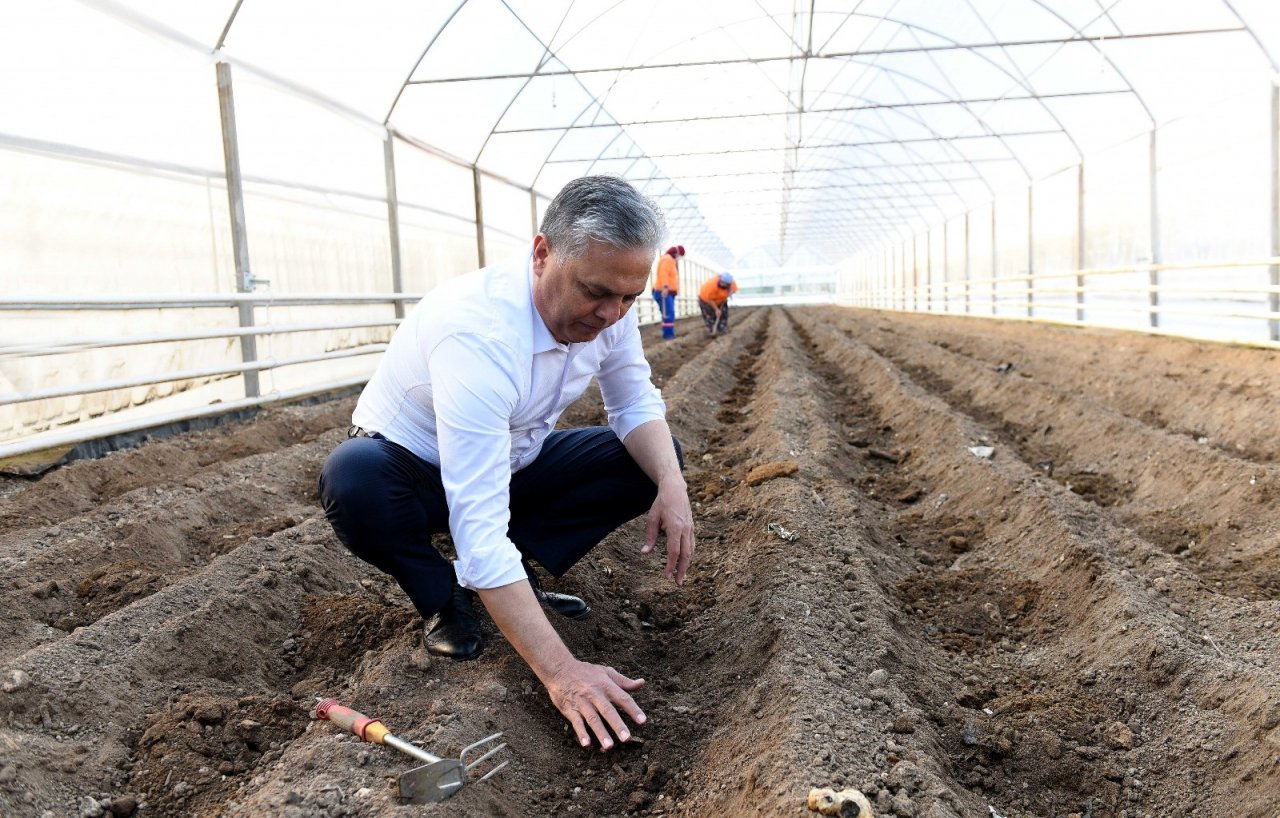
column 143, row 302
column 68, row 437
column 30, row 350
column 185, row 375
column 1028, row 297
column 15, row 350
column 692, row 274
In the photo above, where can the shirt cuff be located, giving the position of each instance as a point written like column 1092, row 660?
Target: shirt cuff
column 491, row 571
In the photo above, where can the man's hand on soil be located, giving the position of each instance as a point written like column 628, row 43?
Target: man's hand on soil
column 590, row 696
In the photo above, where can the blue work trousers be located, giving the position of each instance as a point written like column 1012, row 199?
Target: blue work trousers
column 667, row 306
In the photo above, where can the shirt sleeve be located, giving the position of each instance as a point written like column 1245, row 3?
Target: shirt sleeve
column 630, row 398
column 475, row 392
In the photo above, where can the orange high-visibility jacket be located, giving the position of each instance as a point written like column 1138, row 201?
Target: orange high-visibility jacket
column 713, row 293
column 667, row 274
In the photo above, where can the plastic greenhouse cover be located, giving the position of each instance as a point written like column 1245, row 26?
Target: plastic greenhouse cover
column 856, row 122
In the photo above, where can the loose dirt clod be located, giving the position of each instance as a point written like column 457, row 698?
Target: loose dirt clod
column 771, row 471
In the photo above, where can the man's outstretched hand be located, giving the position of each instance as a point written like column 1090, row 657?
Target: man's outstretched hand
column 651, row 447
column 671, row 515
column 590, row 697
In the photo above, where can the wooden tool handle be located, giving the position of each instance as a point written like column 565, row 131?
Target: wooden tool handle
column 367, row 729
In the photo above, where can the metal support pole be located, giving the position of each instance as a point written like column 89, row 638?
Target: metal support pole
column 1153, row 274
column 946, row 270
column 1274, row 298
column 906, row 280
column 928, row 271
column 1031, row 249
column 888, row 277
column 1080, row 244
column 902, row 276
column 393, row 218
column 533, row 211
column 893, row 276
column 475, row 175
column 995, row 254
column 915, row 274
column 873, row 280
column 239, row 236
column 967, row 272
column 885, row 266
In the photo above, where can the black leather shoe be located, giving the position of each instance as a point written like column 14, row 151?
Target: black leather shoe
column 456, row 632
column 569, row 606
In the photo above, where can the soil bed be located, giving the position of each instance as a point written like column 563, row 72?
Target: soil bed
column 971, row 568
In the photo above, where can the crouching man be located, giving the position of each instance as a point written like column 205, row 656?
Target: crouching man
column 454, row 432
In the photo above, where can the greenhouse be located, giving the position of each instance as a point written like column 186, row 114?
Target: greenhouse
column 980, row 451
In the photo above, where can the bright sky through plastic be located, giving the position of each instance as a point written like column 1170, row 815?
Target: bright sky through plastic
column 771, row 136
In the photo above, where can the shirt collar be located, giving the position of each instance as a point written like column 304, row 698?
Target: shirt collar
column 543, row 340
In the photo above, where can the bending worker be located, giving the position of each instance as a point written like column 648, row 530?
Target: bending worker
column 454, row 433
column 713, row 298
column 666, row 283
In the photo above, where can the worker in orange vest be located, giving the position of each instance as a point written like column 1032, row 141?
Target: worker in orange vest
column 666, row 283
column 713, row 298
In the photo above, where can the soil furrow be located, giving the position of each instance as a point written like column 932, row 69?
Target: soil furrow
column 1221, row 395
column 813, row 561
column 874, row 603
column 642, row 625
column 69, row 574
column 1199, row 503
column 665, row 356
column 233, row 630
column 84, row 485
column 1154, row 644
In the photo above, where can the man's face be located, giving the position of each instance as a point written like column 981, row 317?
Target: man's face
column 579, row 297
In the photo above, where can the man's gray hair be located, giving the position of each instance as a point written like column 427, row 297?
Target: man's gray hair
column 602, row 208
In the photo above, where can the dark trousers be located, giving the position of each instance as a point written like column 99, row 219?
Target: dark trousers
column 709, row 316
column 384, row 503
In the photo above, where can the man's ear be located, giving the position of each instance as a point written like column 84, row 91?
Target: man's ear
column 541, row 250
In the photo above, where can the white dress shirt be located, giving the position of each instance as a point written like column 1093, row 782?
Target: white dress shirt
column 473, row 382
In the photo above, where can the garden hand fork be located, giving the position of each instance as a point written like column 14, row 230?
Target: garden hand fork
column 436, row 780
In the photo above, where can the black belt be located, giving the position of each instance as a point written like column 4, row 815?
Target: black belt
column 360, row 431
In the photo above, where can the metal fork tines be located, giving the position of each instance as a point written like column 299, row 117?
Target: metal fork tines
column 471, row 747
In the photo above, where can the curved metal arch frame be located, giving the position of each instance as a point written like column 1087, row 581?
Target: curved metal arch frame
column 1274, row 59
column 913, row 29
column 548, row 54
column 961, row 104
column 984, row 125
column 944, row 141
column 405, row 84
column 701, row 221
column 1078, row 31
column 1022, row 82
column 975, row 51
column 960, row 156
column 899, row 183
column 885, row 18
